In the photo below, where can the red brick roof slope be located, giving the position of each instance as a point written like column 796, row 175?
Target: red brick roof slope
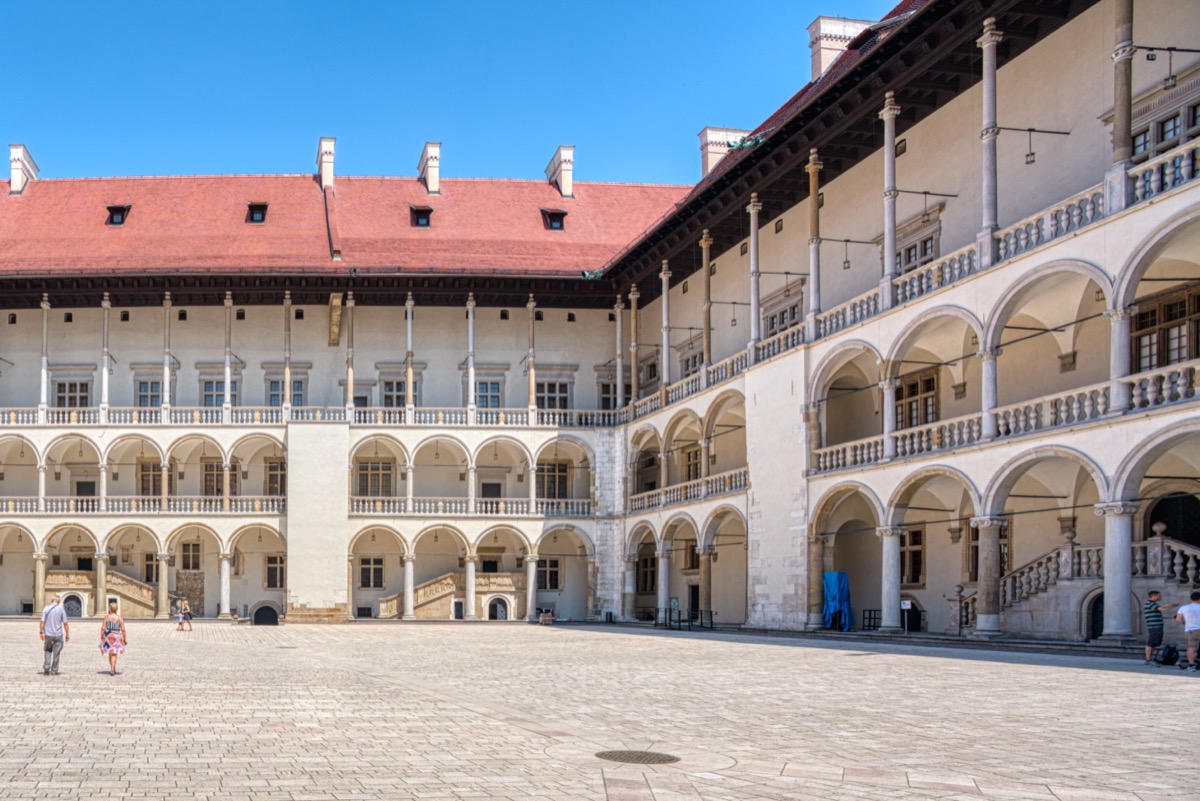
column 491, row 226
column 182, row 224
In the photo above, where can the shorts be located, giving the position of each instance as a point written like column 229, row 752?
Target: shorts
column 1154, row 636
column 1193, row 638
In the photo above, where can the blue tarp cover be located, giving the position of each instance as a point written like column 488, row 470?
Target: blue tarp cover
column 837, row 599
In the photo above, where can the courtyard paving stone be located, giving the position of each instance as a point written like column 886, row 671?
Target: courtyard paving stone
column 511, row 711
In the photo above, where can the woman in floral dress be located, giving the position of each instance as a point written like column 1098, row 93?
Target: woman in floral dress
column 112, row 637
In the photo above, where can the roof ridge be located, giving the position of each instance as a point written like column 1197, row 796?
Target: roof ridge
column 181, row 175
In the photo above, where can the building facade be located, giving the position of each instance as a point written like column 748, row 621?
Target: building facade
column 933, row 325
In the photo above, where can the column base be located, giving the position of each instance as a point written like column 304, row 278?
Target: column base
column 470, row 617
column 890, row 630
column 1124, row 638
column 987, row 626
column 408, row 617
column 224, row 616
column 162, row 616
column 816, row 622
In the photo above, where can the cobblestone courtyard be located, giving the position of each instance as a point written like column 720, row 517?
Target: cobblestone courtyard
column 510, row 711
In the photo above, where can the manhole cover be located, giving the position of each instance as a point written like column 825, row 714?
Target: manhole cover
column 638, row 757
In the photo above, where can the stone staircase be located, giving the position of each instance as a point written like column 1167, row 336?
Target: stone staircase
column 434, row 599
column 138, row 599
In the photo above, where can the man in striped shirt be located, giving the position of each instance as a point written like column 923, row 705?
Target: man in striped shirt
column 1154, row 622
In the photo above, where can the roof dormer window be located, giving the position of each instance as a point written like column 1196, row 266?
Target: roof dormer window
column 257, row 213
column 554, row 219
column 421, row 216
column 117, row 215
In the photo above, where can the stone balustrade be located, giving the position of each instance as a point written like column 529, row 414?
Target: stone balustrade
column 1172, row 384
column 1077, row 406
column 731, row 481
column 849, row 313
column 1048, row 225
column 942, row 435
column 780, row 343
column 935, row 275
column 849, row 454
column 1158, row 175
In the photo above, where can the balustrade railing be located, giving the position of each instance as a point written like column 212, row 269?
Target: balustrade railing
column 581, row 418
column 439, row 506
column 136, row 503
column 258, row 504
column 647, row 405
column 849, row 313
column 431, row 416
column 18, row 417
column 684, row 389
column 731, row 481
column 645, row 500
column 199, row 416
column 1164, row 173
column 849, row 454
column 940, row 436
column 19, row 505
column 937, row 274
column 729, row 368
column 1048, row 225
column 384, row 416
column 502, row 417
column 195, row 504
column 1173, row 560
column 780, row 343
column 1077, row 406
column 564, row 507
column 363, row 505
column 310, row 414
column 72, row 504
column 71, row 417
column 502, row 506
column 1173, row 384
column 257, row 415
column 135, row 416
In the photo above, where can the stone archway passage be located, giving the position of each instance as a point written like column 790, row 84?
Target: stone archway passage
column 266, row 616
column 498, row 609
column 74, row 606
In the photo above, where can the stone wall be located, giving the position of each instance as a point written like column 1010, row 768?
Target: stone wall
column 190, row 584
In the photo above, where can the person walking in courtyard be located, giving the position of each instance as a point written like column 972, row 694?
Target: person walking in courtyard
column 1189, row 616
column 54, row 631
column 112, row 637
column 185, row 616
column 1154, row 622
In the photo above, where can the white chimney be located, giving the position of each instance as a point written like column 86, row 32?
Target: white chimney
column 828, row 37
column 714, row 144
column 24, row 168
column 428, row 168
column 325, row 161
column 558, row 171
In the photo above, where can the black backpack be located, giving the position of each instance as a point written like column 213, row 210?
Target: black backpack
column 1167, row 655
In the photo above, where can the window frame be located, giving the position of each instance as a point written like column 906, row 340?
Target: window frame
column 371, row 574
column 549, row 575
column 275, row 571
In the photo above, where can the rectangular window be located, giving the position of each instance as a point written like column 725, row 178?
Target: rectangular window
column 276, row 577
column 552, row 480
column 916, row 400
column 647, row 568
column 150, row 564
column 150, row 479
column 1168, row 129
column 548, row 574
column 149, row 393
column 1166, row 330
column 608, row 395
column 692, row 561
column 213, row 485
column 393, row 394
column 370, row 572
column 72, row 394
column 374, row 479
column 691, row 464
column 276, row 477
column 190, row 556
column 912, row 558
column 275, row 392
column 553, row 395
column 487, row 394
column 212, row 393
column 690, row 363
column 1141, row 141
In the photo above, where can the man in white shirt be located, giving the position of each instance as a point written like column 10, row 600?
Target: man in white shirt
column 54, row 630
column 1189, row 616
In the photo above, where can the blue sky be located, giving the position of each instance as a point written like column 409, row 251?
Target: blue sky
column 182, row 88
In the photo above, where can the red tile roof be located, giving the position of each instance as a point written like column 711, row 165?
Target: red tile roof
column 197, row 224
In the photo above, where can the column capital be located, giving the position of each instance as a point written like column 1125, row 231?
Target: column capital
column 664, row 553
column 706, row 239
column 163, row 557
column 634, row 294
column 531, row 557
column 106, row 302
column 41, row 468
column 883, row 532
column 45, row 304
column 287, row 297
column 532, row 304
column 166, row 300
column 1117, row 509
column 1116, row 315
column 225, row 557
column 471, row 301
column 891, row 194
column 993, row 521
column 101, row 555
column 619, row 305
column 989, row 133
column 891, row 109
column 103, row 467
column 666, row 269
column 988, row 354
column 1123, row 51
column 408, row 558
column 228, row 299
column 990, row 36
column 755, row 206
column 706, row 551
column 888, row 384
column 41, row 557
column 408, row 301
column 814, row 164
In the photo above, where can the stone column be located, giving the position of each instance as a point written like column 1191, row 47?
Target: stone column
column 890, row 584
column 988, row 358
column 663, row 577
column 1118, row 567
column 409, row 396
column 989, row 133
column 471, row 389
column 816, row 582
column 408, row 490
column 664, row 359
column 889, row 417
column 350, row 356
column 39, row 582
column 227, row 399
column 286, row 400
column 891, row 110
column 164, row 601
column 532, row 307
column 223, row 607
column 44, row 375
column 101, row 600
column 1117, row 183
column 706, row 555
column 755, row 312
column 706, row 336
column 618, row 313
column 469, row 611
column 105, row 358
column 165, row 482
column 705, row 457
column 531, row 587
column 166, row 378
column 226, row 486
column 409, row 587
column 533, row 496
column 103, row 499
column 635, row 366
column 41, row 502
column 629, row 597
column 471, row 499
column 987, row 604
column 814, row 244
column 1119, row 359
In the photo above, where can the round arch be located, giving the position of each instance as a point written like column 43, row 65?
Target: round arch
column 501, row 440
column 679, row 421
column 637, row 535
column 913, row 483
column 571, row 439
column 711, row 523
column 437, row 530
column 1017, row 294
column 644, row 432
column 121, row 528
column 192, row 437
column 133, row 439
column 837, row 358
column 405, row 548
column 719, row 406
column 550, row 531
column 251, row 527
column 676, row 522
column 510, row 530
column 63, row 528
column 1152, row 246
column 68, row 442
column 1006, row 477
column 10, row 437
column 913, row 333
column 240, row 441
column 437, row 439
column 837, row 493
column 191, row 528
column 1128, row 477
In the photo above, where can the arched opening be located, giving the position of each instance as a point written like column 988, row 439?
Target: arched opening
column 644, row 553
column 681, row 539
column 262, row 481
column 646, row 468
column 1177, row 515
column 135, row 475
column 439, row 577
column 564, row 479
column 258, row 571
column 18, row 475
column 379, row 476
column 377, row 574
column 1053, row 338
column 72, row 476
column 440, row 477
column 938, row 377
column 195, row 568
column 725, row 546
column 847, row 391
column 501, row 478
column 846, row 522
column 497, row 609
column 198, row 471
column 725, row 429
column 565, row 574
column 133, row 570
column 682, row 450
column 1165, row 330
column 16, row 571
column 74, row 605
column 266, row 615
column 1095, row 617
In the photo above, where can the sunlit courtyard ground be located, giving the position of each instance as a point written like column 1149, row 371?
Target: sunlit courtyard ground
column 512, row 711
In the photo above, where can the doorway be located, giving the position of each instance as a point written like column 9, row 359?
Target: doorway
column 1095, row 618
column 266, row 616
column 693, row 601
column 498, row 609
column 84, row 563
column 73, row 606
